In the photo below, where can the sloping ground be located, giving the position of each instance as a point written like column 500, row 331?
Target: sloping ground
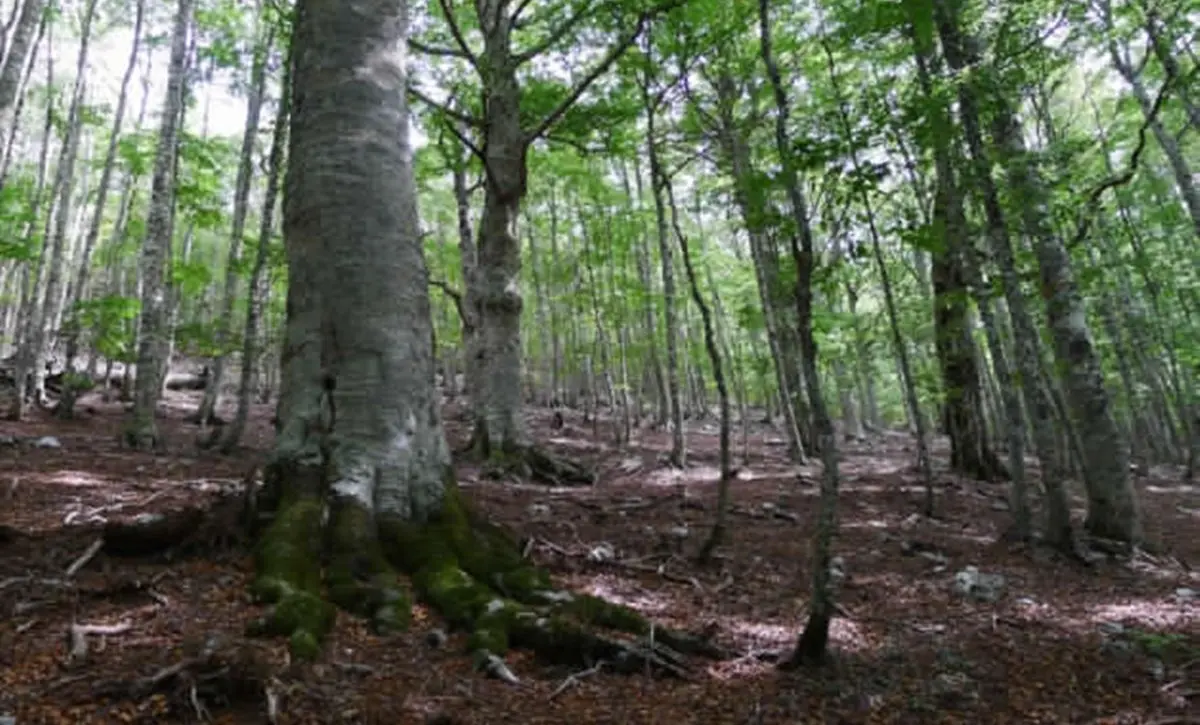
column 1118, row 642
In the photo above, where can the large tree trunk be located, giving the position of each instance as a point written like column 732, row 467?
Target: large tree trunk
column 361, row 465
column 153, row 334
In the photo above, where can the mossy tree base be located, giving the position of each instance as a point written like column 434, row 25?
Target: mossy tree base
column 466, row 568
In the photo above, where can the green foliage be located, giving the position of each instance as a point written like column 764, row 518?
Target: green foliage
column 108, row 323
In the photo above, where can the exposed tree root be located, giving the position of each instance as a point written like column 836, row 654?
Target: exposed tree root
column 468, row 569
column 187, row 530
column 530, row 462
column 211, row 672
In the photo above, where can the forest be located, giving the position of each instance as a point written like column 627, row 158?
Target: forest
column 600, row 361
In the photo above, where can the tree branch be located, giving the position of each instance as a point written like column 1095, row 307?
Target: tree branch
column 457, row 34
column 555, row 34
column 454, row 295
column 515, row 20
column 1093, row 197
column 600, row 68
column 432, row 50
column 460, row 116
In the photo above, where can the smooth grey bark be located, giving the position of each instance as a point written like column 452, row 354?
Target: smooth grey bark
column 719, row 533
column 505, row 139
column 541, row 313
column 18, row 53
column 54, row 234
column 1112, row 503
column 357, row 367
column 961, row 412
column 31, row 274
column 751, row 204
column 812, row 644
column 899, row 346
column 642, row 256
column 15, row 118
column 79, row 285
column 241, row 203
column 153, row 334
column 1163, row 48
column 1028, row 355
column 260, row 278
column 652, row 103
column 1180, row 169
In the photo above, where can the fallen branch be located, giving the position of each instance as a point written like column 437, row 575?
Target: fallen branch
column 79, row 634
column 575, row 679
column 85, row 557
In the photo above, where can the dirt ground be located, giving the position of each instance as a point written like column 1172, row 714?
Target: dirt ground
column 1116, row 642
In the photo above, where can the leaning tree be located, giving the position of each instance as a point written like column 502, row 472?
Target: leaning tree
column 360, row 479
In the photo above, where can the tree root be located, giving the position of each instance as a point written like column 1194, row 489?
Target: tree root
column 530, row 462
column 212, row 671
column 467, row 569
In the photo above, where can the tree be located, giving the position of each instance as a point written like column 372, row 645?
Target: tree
column 153, row 333
column 360, row 433
column 506, row 128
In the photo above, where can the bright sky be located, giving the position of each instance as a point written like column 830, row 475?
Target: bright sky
column 109, row 56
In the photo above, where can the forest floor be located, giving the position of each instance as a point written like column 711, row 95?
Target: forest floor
column 1114, row 642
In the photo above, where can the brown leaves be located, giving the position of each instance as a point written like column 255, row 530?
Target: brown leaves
column 908, row 651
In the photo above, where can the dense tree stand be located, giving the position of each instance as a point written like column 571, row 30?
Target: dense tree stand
column 469, row 570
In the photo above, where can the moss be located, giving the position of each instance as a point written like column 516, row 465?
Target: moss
column 304, row 645
column 596, row 612
column 558, row 639
column 491, row 630
column 289, row 575
column 359, row 578
column 458, row 596
column 288, row 555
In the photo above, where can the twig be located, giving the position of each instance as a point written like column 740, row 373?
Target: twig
column 272, row 700
column 201, row 711
column 79, row 633
column 85, row 557
column 576, row 678
column 1093, row 198
column 355, row 667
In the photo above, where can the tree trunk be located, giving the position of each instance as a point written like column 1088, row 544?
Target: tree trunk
column 153, row 334
column 719, row 531
column 260, row 278
column 671, row 328
column 31, row 274
column 79, row 285
column 750, row 202
column 1112, row 504
column 361, row 438
column 1026, row 340
column 241, row 202
column 813, row 642
column 42, row 321
column 14, row 64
